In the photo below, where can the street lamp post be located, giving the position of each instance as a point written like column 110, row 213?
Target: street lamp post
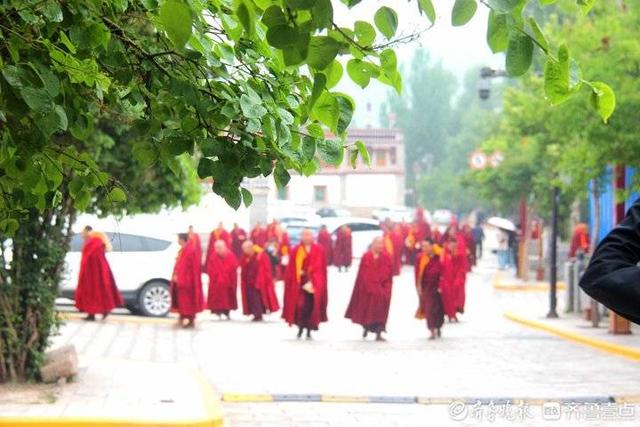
column 553, row 270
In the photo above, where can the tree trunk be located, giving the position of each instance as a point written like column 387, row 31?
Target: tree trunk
column 28, row 289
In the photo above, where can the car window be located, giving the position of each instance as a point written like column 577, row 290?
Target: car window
column 151, row 244
column 76, row 243
column 362, row 226
column 126, row 242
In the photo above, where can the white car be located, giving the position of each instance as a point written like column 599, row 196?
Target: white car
column 363, row 231
column 142, row 267
column 396, row 214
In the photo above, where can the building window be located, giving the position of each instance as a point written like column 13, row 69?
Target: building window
column 392, row 156
column 320, row 193
column 381, row 157
column 283, row 193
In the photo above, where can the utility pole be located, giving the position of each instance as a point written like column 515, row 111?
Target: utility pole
column 553, row 270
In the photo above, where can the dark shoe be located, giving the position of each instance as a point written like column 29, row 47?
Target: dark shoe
column 257, row 319
column 90, row 317
column 439, row 333
column 365, row 332
column 309, row 334
column 300, row 330
column 104, row 316
column 191, row 324
column 379, row 337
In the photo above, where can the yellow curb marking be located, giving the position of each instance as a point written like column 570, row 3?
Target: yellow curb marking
column 120, row 318
column 539, row 286
column 616, row 349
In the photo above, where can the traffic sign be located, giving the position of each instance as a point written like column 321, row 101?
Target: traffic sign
column 478, row 160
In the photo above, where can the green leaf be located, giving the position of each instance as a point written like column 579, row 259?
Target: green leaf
column 247, row 197
column 322, row 51
column 346, row 107
column 386, row 19
column 246, row 16
column 562, row 77
column 281, row 176
column 327, row 111
column 117, row 195
column 426, row 6
column 603, row 99
column 334, row 74
column 281, row 36
column 251, row 108
column 206, row 168
column 37, row 99
column 233, row 197
column 331, row 151
column 538, row 34
column 519, row 54
column 63, row 122
column 365, row 33
column 497, row 32
column 364, row 153
column 176, row 19
column 361, row 72
column 463, row 11
column 322, row 12
column 308, row 148
column 388, row 60
column 353, row 158
column 319, row 84
column 274, row 16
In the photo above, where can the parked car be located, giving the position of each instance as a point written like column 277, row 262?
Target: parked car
column 142, row 267
column 332, row 212
column 442, row 218
column 363, row 231
column 396, row 214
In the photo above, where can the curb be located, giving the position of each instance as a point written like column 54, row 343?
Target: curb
column 213, row 417
column 616, row 349
column 233, row 398
column 125, row 318
column 524, row 287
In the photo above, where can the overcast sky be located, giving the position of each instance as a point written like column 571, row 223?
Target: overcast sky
column 458, row 48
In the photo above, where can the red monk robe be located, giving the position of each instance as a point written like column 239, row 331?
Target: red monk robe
column 427, row 274
column 258, row 294
column 223, row 283
column 398, row 248
column 303, row 308
column 580, row 243
column 462, row 266
column 238, row 237
column 259, row 236
column 448, row 281
column 371, row 297
column 194, row 239
column 96, row 291
column 342, row 251
column 324, row 240
column 218, row 234
column 186, row 284
column 390, row 249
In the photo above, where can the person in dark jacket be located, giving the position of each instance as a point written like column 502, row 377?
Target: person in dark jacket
column 613, row 275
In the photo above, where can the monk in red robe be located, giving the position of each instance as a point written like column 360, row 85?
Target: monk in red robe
column 272, row 230
column 427, row 274
column 448, row 279
column 96, row 291
column 389, row 246
column 462, row 267
column 186, row 284
column 580, row 244
column 194, row 239
column 371, row 297
column 324, row 240
column 258, row 293
column 218, row 234
column 238, row 237
column 284, row 247
column 259, row 235
column 222, row 268
column 305, row 292
column 411, row 244
column 342, row 251
column 398, row 248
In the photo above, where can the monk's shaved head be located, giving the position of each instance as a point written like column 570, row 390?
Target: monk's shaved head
column 307, row 237
column 377, row 245
column 247, row 247
column 220, row 247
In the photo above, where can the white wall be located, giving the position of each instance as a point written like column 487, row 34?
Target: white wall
column 372, row 190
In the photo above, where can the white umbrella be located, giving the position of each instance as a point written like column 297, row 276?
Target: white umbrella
column 502, row 223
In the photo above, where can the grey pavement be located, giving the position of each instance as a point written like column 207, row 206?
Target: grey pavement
column 484, row 356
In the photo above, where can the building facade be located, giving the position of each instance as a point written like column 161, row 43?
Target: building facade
column 361, row 189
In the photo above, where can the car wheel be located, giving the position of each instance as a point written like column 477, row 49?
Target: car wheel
column 155, row 299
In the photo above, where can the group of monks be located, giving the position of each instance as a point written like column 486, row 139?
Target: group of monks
column 256, row 260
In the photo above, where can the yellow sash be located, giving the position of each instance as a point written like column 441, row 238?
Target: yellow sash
column 301, row 255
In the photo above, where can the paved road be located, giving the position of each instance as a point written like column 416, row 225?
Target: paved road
column 484, row 356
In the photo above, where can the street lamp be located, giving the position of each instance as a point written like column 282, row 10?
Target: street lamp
column 484, row 87
column 553, row 269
